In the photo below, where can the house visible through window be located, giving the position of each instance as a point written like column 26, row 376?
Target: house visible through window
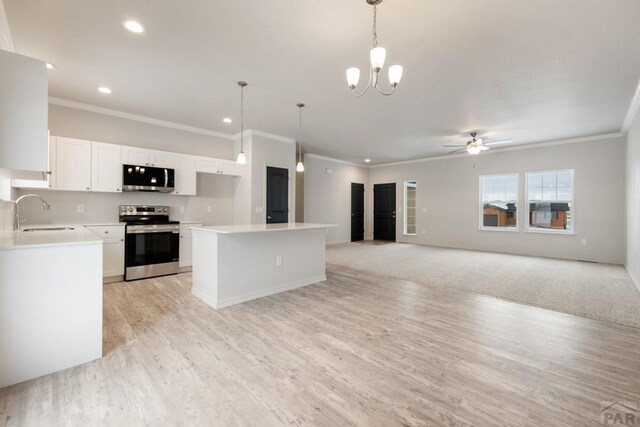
column 499, row 201
column 410, row 188
column 550, row 201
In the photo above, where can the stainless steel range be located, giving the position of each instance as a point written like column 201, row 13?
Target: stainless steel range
column 151, row 241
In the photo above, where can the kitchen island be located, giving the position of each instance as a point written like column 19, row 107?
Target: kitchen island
column 238, row 263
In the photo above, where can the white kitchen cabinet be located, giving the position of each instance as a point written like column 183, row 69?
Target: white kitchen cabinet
column 135, row 156
column 113, row 248
column 24, row 111
column 73, row 164
column 208, row 165
column 219, row 166
column 186, row 244
column 186, row 176
column 106, row 167
column 230, row 167
column 49, row 177
column 163, row 159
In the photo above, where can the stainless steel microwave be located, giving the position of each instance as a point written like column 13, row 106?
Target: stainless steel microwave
column 147, row 178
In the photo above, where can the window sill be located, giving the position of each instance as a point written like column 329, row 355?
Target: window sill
column 557, row 232
column 500, row 229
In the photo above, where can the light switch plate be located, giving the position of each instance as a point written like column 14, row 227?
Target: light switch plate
column 182, row 209
column 209, row 209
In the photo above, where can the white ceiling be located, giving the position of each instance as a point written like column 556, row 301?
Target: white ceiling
column 525, row 70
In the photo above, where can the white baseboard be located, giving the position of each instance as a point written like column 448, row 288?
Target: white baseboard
column 204, row 298
column 258, row 294
column 633, row 278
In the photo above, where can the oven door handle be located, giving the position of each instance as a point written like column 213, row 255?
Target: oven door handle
column 154, row 229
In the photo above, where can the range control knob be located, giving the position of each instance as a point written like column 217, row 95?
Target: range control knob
column 130, row 209
column 164, row 210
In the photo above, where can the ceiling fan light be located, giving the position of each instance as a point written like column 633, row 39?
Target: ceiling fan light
column 300, row 167
column 378, row 55
column 474, row 149
column 353, row 77
column 241, row 159
column 395, row 75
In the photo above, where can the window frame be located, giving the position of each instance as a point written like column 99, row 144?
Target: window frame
column 481, row 225
column 406, row 185
column 527, row 225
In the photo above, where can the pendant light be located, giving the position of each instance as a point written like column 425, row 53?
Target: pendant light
column 300, row 165
column 242, row 159
column 377, row 56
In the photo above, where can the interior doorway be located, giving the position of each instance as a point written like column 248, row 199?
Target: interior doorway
column 357, row 212
column 384, row 212
column 277, row 195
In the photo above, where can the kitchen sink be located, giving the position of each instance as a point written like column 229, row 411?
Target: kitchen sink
column 48, row 229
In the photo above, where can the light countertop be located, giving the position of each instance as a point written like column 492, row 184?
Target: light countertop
column 12, row 239
column 260, row 228
column 191, row 222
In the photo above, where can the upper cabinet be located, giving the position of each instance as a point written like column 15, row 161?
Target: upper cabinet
column 135, row 156
column 219, row 166
column 47, row 179
column 186, row 176
column 106, row 167
column 73, row 164
column 23, row 113
column 163, row 159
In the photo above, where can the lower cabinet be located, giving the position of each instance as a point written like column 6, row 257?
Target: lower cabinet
column 112, row 249
column 186, row 244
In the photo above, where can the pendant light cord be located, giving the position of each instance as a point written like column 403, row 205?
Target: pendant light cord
column 300, row 136
column 375, row 25
column 241, row 119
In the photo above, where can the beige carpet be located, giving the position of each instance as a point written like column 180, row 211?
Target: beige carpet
column 597, row 291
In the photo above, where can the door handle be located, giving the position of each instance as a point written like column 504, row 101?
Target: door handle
column 268, row 217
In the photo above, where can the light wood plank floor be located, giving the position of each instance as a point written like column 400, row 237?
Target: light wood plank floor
column 356, row 349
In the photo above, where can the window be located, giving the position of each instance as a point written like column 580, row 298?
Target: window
column 410, row 189
column 550, row 201
column 499, row 202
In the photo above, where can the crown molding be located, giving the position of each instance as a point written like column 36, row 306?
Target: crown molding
column 253, row 132
column 505, row 149
column 331, row 159
column 134, row 117
column 632, row 111
column 6, row 42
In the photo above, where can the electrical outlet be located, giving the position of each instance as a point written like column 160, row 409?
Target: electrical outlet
column 209, row 209
column 279, row 261
column 80, row 208
column 424, row 231
column 583, row 242
column 182, row 209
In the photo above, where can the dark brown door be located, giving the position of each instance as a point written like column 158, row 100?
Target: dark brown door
column 277, row 195
column 357, row 212
column 384, row 211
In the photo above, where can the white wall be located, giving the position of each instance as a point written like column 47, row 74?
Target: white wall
column 265, row 152
column 449, row 191
column 327, row 196
column 633, row 200
column 214, row 191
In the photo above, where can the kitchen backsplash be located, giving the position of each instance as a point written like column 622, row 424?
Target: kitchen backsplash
column 212, row 206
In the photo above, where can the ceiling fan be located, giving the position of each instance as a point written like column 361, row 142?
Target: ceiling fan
column 476, row 145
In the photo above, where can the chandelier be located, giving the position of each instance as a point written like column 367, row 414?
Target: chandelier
column 377, row 56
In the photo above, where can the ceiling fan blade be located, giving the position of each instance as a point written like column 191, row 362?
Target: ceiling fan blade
column 504, row 141
column 484, row 148
column 458, row 150
column 453, row 146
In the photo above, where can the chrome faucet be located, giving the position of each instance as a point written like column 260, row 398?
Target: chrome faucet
column 45, row 205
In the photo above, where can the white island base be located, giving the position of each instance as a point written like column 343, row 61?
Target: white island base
column 238, row 263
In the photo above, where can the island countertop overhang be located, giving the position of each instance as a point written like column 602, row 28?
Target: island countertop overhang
column 261, row 228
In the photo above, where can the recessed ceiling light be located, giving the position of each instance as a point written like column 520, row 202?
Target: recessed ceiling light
column 227, row 120
column 50, row 66
column 367, row 160
column 133, row 26
column 105, row 90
